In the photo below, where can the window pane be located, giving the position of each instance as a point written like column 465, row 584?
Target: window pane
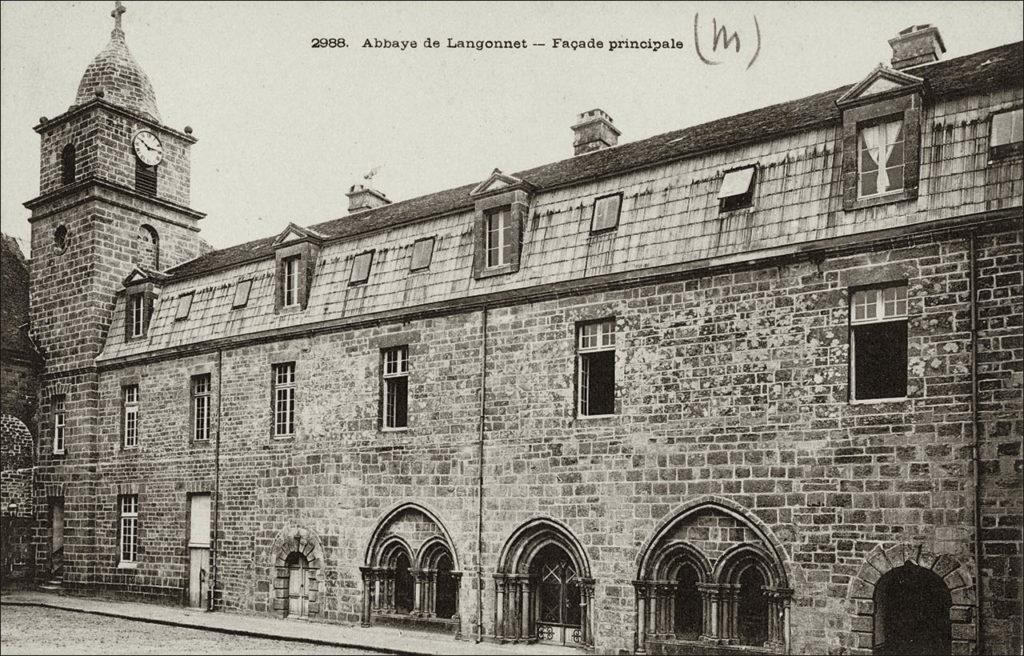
column 880, row 369
column 869, row 184
column 396, row 413
column 1007, row 127
column 361, row 268
column 895, row 178
column 597, row 383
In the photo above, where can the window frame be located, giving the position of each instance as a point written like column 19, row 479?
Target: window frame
column 583, row 350
column 389, row 379
column 504, row 231
column 59, row 418
column 880, row 317
column 200, row 399
column 290, row 281
column 430, row 254
column 130, row 416
column 736, row 202
column 248, row 290
column 136, row 315
column 128, row 516
column 594, row 230
column 1010, row 148
column 184, row 301
column 352, row 280
column 289, row 387
column 877, row 123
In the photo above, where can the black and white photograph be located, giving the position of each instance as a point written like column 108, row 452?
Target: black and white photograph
column 516, row 328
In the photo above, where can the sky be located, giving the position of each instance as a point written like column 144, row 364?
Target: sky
column 285, row 129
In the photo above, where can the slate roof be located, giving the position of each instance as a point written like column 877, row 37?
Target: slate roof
column 989, row 69
column 123, row 82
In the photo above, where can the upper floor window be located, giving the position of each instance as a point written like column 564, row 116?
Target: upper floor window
column 1007, row 133
column 58, row 424
column 499, row 236
column 878, row 343
column 60, row 239
column 737, row 190
column 595, row 354
column 284, row 399
column 361, row 268
column 130, row 410
column 68, row 164
column 422, row 254
column 129, row 528
column 201, row 407
column 148, row 245
column 606, row 213
column 136, row 315
column 881, row 158
column 290, row 280
column 395, row 390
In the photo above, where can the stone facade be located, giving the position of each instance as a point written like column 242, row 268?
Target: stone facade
column 735, row 452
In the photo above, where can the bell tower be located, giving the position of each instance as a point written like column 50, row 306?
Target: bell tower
column 113, row 196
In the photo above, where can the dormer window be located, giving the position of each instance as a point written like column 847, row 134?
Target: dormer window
column 606, row 213
column 1006, row 136
column 880, row 158
column 361, row 268
column 136, row 315
column 290, row 280
column 501, row 205
column 737, row 190
column 499, row 236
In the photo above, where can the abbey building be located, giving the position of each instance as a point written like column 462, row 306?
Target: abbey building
column 752, row 386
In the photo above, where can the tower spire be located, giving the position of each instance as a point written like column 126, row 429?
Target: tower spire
column 116, row 14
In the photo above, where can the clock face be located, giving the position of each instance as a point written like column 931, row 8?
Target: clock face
column 148, row 148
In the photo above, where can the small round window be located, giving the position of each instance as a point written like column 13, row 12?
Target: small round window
column 60, row 239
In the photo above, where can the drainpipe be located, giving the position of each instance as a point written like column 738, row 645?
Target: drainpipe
column 480, row 482
column 214, row 560
column 976, row 434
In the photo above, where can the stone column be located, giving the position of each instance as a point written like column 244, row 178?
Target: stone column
column 711, row 597
column 730, row 612
column 457, row 616
column 417, row 592
column 499, row 606
column 524, row 594
column 389, row 590
column 587, row 613
column 778, row 608
column 367, row 572
column 640, row 629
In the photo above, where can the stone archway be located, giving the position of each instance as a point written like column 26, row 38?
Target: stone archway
column 539, row 552
column 290, row 546
column 954, row 575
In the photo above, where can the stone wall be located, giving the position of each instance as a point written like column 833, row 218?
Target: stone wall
column 733, row 386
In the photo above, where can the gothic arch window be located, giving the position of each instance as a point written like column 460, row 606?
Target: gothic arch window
column 148, row 245
column 411, row 574
column 912, row 612
column 543, row 589
column 67, row 164
column 739, row 596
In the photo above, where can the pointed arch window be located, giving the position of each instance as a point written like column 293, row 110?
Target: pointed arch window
column 148, row 248
column 68, row 162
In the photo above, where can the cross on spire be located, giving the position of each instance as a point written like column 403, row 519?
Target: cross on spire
column 116, row 14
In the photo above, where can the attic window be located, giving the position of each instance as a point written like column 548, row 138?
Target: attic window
column 422, row 254
column 184, row 306
column 242, row 288
column 737, row 189
column 880, row 158
column 361, row 268
column 1007, row 133
column 606, row 213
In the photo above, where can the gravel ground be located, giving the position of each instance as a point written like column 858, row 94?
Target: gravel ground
column 29, row 630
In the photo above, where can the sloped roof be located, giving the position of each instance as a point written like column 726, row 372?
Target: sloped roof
column 989, row 69
column 123, row 82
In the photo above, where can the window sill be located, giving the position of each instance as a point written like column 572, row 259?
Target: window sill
column 128, row 565
column 289, row 309
column 129, row 449
column 283, row 438
column 894, row 399
column 497, row 270
column 58, row 453
column 882, row 199
column 595, row 417
column 401, row 429
column 1002, row 152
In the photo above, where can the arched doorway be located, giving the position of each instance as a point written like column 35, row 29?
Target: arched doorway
column 543, row 590
column 298, row 586
column 911, row 612
column 557, row 585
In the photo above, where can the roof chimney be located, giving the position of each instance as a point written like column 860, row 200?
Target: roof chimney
column 362, row 198
column 594, row 131
column 916, row 45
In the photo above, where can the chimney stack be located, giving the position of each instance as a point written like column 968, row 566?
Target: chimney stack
column 362, row 198
column 594, row 131
column 916, row 45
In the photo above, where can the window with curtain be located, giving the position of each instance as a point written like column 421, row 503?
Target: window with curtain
column 880, row 157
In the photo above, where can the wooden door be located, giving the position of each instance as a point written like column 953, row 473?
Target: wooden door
column 298, row 586
column 198, row 580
